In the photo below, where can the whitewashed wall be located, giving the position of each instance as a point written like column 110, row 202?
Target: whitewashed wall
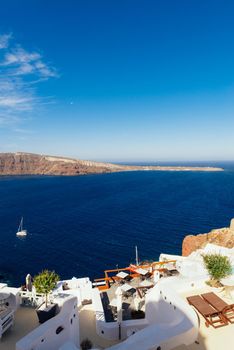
column 44, row 337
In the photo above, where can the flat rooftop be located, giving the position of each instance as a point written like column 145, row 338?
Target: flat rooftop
column 25, row 321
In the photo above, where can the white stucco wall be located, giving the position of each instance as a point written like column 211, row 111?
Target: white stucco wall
column 78, row 287
column 44, row 337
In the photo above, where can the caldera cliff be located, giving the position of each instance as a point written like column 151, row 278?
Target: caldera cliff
column 222, row 236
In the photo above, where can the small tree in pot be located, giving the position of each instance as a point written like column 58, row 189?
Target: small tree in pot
column 218, row 267
column 44, row 283
column 86, row 344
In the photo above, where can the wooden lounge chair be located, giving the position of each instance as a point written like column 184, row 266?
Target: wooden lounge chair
column 211, row 315
column 220, row 305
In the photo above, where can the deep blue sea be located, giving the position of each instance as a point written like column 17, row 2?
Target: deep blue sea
column 80, row 226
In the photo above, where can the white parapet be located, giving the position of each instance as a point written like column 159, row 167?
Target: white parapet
column 62, row 328
column 79, row 287
column 14, row 298
column 9, row 304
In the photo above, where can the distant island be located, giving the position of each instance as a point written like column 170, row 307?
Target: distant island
column 36, row 164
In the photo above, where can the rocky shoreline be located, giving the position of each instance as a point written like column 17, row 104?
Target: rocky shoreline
column 223, row 237
column 35, row 164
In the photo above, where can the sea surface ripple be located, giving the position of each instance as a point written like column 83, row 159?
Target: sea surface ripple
column 80, row 226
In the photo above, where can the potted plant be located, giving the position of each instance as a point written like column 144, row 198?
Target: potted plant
column 218, row 267
column 44, row 283
column 137, row 314
column 86, row 344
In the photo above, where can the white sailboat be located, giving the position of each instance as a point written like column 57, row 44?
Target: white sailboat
column 21, row 231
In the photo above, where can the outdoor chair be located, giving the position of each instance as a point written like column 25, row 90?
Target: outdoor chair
column 148, row 275
column 220, row 305
column 211, row 315
column 128, row 278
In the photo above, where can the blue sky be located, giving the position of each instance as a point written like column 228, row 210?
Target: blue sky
column 122, row 80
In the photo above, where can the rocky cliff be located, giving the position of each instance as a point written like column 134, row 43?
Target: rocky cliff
column 222, row 236
column 35, row 164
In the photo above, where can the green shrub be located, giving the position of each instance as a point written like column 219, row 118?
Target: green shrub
column 218, row 266
column 45, row 282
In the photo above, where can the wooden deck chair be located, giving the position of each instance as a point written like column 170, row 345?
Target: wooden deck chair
column 210, row 314
column 220, row 305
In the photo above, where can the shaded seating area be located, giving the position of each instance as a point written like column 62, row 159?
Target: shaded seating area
column 122, row 275
column 220, row 305
column 143, row 273
column 211, row 315
column 130, row 301
column 128, row 278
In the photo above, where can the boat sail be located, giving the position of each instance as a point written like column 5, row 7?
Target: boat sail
column 21, row 231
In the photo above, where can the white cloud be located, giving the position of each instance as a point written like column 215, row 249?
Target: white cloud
column 20, row 73
column 23, row 131
column 16, row 96
column 7, row 120
column 19, row 55
column 25, row 68
column 21, row 62
column 4, row 40
column 20, row 103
